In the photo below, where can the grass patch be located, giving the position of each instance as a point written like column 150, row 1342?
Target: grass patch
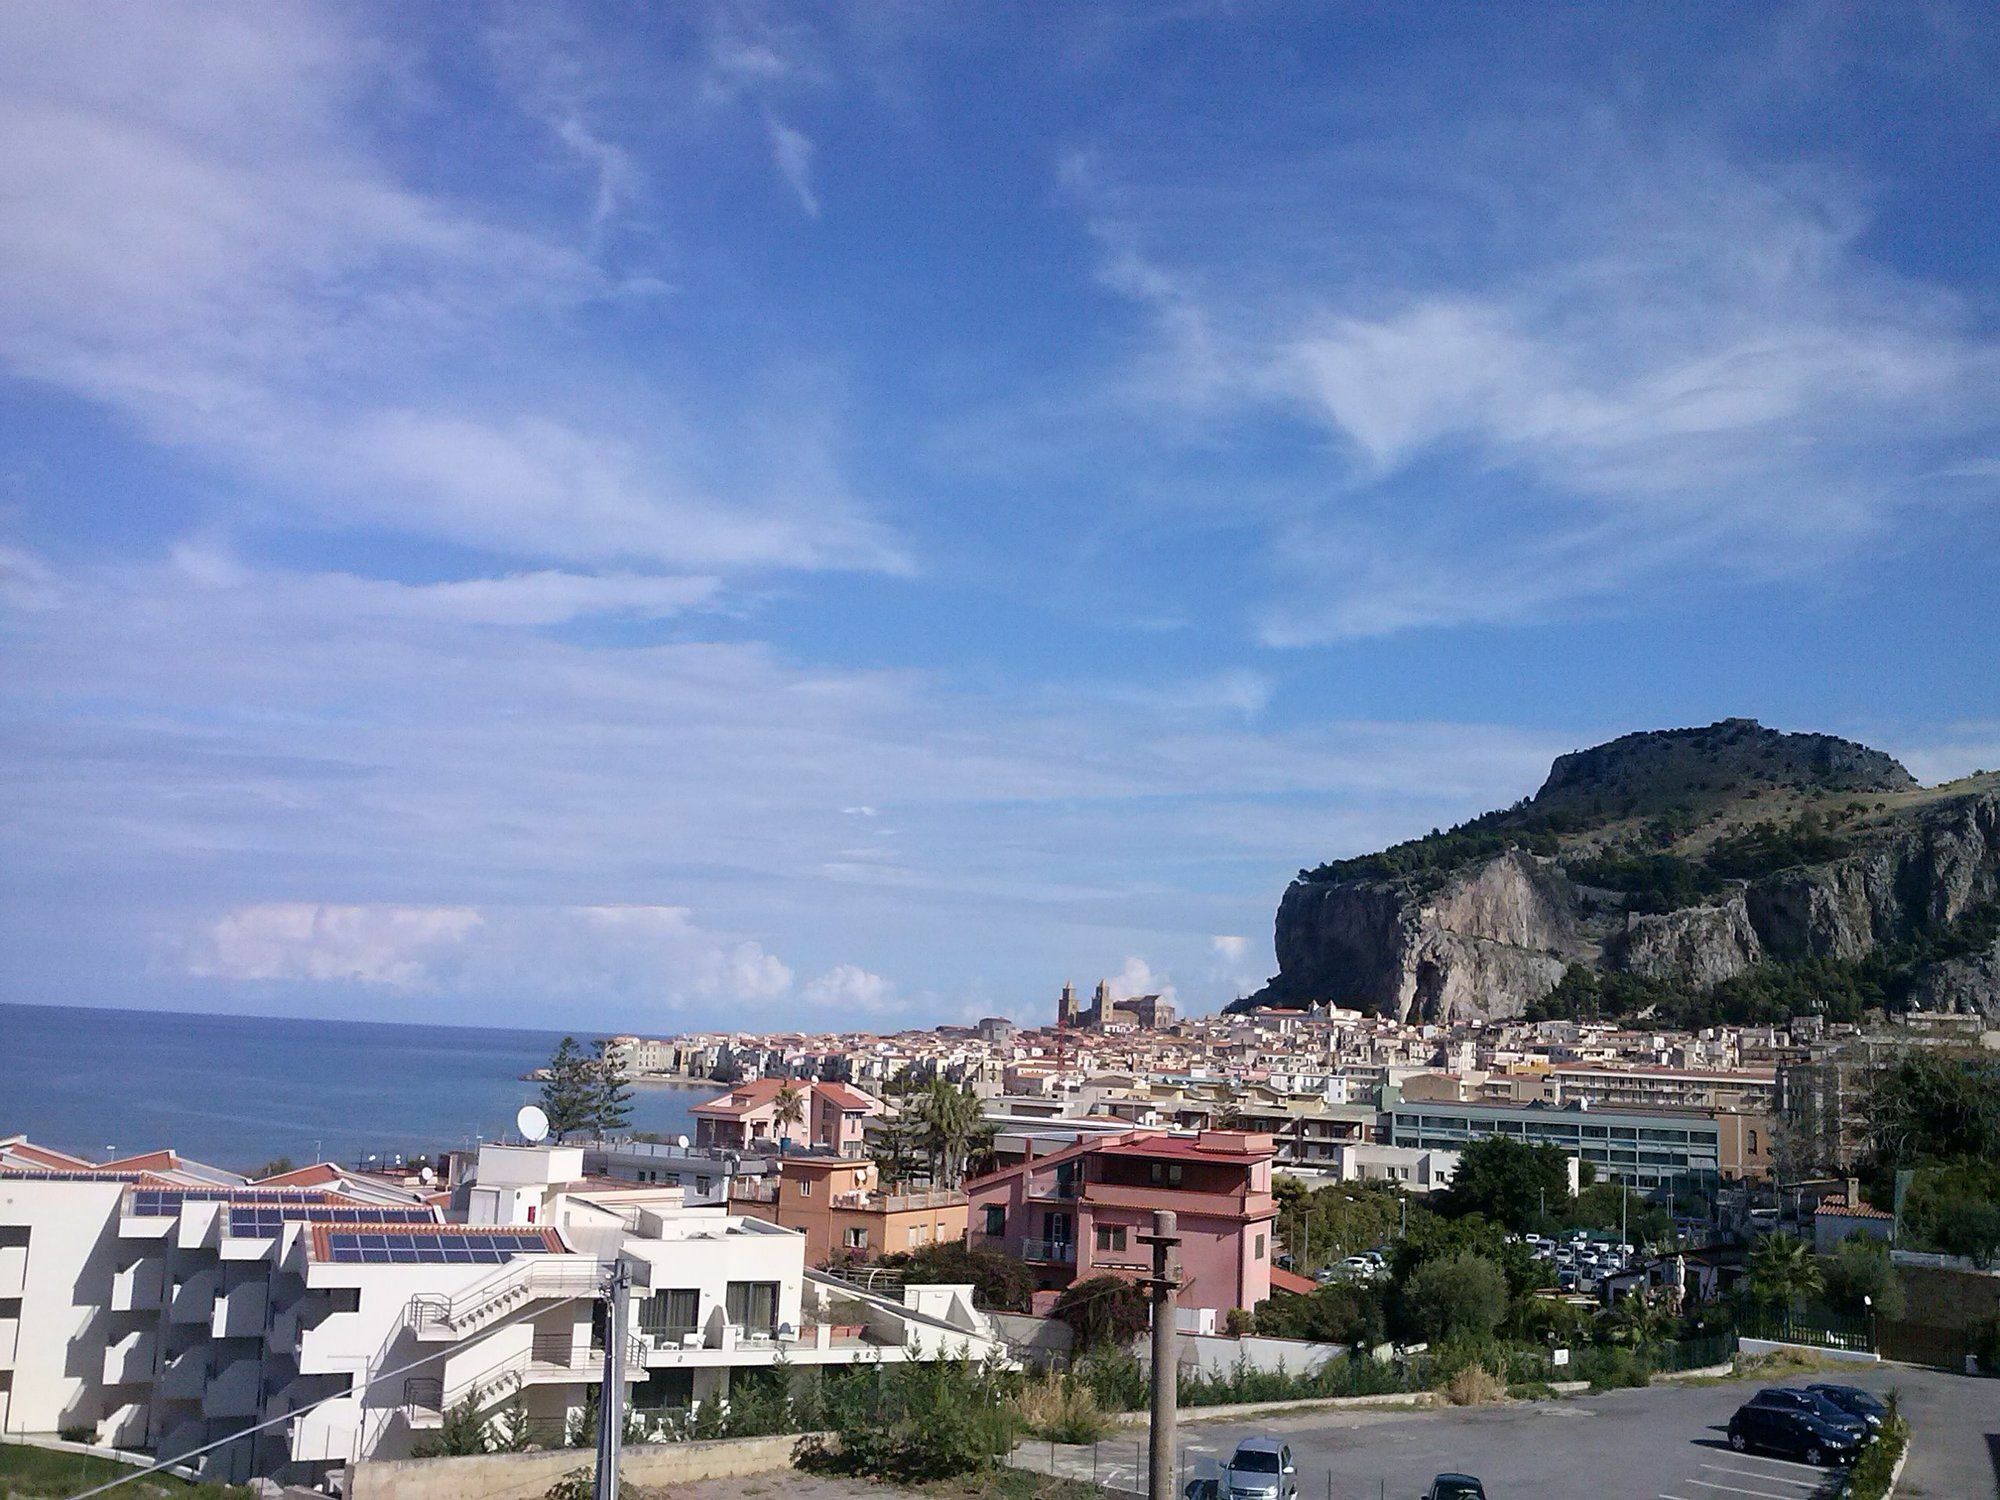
column 1061, row 1409
column 1533, row 1390
column 31, row 1471
column 1475, row 1385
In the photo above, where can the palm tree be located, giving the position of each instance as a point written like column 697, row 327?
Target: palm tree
column 1639, row 1320
column 1783, row 1271
column 952, row 1127
column 790, row 1111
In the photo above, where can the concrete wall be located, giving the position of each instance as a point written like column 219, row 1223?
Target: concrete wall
column 1213, row 1355
column 527, row 1476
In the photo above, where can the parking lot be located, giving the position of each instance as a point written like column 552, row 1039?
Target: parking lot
column 1662, row 1443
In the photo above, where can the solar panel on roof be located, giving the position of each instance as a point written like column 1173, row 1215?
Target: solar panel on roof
column 267, row 1219
column 405, row 1247
column 52, row 1174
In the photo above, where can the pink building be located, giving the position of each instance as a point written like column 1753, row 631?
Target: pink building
column 1078, row 1212
column 835, row 1117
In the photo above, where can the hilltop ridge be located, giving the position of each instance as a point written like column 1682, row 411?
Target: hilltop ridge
column 1653, row 871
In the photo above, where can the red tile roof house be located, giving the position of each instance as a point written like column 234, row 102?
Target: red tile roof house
column 1078, row 1212
column 746, row 1117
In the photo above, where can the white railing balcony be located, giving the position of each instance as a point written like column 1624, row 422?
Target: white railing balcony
column 132, row 1358
column 239, row 1312
column 138, row 1287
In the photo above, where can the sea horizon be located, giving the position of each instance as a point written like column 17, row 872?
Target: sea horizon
column 238, row 1091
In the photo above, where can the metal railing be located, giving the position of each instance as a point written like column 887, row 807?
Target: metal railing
column 518, row 1281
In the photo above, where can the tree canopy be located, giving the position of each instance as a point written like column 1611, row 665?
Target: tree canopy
column 1510, row 1182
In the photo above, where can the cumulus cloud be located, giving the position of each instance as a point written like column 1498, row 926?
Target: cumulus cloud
column 1138, row 978
column 634, row 955
column 848, row 990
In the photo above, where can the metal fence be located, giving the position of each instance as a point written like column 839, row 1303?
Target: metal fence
column 1924, row 1344
column 1818, row 1328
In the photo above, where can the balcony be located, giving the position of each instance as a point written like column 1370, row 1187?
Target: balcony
column 336, row 1345
column 13, row 1270
column 1055, row 1187
column 282, row 1337
column 10, row 1331
column 194, row 1299
column 1048, row 1252
column 1184, row 1200
column 239, row 1312
column 183, row 1377
column 138, row 1288
column 236, row 1391
column 131, row 1359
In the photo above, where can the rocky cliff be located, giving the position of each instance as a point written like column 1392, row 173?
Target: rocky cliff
column 1684, row 858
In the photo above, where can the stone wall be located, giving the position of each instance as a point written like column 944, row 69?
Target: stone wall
column 527, row 1476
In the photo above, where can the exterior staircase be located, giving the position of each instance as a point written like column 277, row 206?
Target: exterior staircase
column 516, row 1285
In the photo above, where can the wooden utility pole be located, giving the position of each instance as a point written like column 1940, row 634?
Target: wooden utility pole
column 1164, row 1283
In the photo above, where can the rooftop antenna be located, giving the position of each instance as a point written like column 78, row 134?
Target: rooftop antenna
column 532, row 1123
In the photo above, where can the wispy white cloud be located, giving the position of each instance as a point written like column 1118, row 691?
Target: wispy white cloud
column 249, row 281
column 792, row 151
column 1689, row 364
column 232, row 737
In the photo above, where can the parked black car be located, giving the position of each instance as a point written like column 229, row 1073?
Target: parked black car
column 1456, row 1487
column 1784, row 1398
column 1791, row 1433
column 1855, row 1402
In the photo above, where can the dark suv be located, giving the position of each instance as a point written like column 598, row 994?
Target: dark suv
column 1791, row 1432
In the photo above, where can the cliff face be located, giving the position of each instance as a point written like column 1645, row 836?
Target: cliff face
column 1423, row 934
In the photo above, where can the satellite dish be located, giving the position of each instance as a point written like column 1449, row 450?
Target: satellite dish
column 427, row 1177
column 681, row 1141
column 532, row 1123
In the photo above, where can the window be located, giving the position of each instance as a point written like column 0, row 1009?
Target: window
column 913, row 1236
column 1753, row 1143
column 1166, row 1174
column 805, row 1187
column 753, row 1305
column 672, row 1312
column 856, row 1239
column 996, row 1219
column 1260, row 1248
column 1110, row 1236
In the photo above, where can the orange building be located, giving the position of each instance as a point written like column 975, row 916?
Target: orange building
column 844, row 1214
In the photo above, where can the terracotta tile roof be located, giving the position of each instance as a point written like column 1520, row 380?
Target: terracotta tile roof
column 742, row 1099
column 1290, row 1281
column 845, row 1097
column 1841, row 1208
column 317, row 1175
column 41, row 1156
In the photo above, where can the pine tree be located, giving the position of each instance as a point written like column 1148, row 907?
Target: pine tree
column 568, row 1093
column 610, row 1108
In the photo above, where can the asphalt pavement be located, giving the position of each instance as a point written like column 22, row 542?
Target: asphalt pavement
column 1662, row 1443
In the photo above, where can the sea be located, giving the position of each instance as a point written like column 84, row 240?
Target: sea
column 239, row 1091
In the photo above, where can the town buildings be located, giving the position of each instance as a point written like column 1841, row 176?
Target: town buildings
column 1078, row 1212
column 831, row 1117
column 846, row 1214
column 178, row 1309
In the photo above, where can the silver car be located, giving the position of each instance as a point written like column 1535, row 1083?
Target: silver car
column 1262, row 1469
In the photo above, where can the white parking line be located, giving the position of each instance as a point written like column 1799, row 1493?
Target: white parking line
column 1737, row 1489
column 1783, row 1463
column 1770, row 1478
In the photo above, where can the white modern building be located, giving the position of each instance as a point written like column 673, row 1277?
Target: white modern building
column 165, row 1316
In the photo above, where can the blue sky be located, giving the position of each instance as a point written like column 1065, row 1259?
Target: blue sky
column 851, row 515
